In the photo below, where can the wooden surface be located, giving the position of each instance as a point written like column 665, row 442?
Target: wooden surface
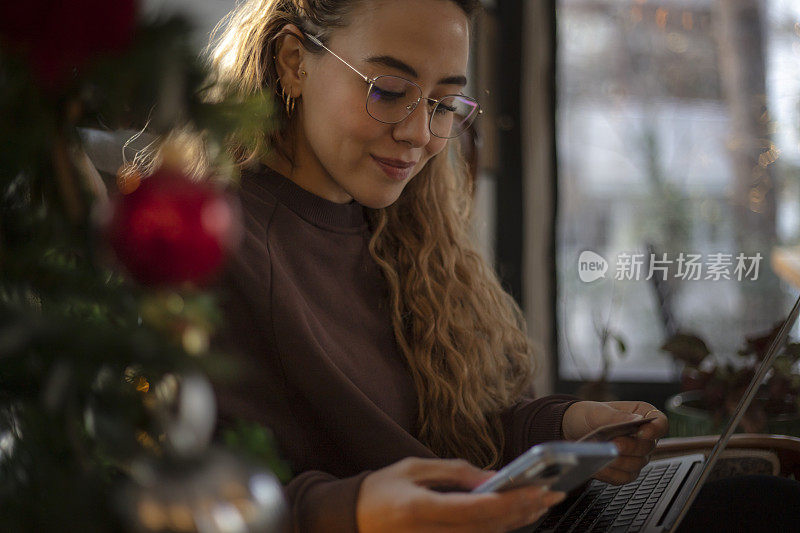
column 786, row 448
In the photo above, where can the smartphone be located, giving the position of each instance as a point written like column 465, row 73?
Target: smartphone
column 556, row 465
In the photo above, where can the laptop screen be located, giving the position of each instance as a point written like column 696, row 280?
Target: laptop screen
column 774, row 349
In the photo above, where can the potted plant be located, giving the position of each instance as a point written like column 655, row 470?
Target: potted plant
column 712, row 387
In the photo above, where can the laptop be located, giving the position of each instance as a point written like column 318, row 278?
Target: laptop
column 658, row 500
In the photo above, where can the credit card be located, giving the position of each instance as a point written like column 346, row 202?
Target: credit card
column 612, row 431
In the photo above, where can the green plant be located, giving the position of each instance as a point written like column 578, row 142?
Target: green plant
column 722, row 382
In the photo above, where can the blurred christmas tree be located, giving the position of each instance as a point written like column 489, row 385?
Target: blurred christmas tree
column 106, row 412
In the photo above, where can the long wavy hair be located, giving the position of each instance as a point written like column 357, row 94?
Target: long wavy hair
column 462, row 335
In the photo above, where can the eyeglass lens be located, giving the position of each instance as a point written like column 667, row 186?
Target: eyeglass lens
column 391, row 99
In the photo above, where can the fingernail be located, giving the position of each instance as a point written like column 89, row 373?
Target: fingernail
column 640, row 434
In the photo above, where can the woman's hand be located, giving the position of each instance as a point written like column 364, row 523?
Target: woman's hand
column 634, row 452
column 402, row 497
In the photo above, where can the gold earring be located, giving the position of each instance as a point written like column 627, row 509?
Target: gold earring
column 289, row 105
column 288, row 101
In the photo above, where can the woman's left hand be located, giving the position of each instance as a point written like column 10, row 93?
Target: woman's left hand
column 634, row 452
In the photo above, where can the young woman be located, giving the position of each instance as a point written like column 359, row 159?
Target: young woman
column 379, row 346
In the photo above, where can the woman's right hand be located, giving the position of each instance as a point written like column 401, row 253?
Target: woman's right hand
column 401, row 497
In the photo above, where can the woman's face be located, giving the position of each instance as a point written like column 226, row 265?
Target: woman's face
column 342, row 151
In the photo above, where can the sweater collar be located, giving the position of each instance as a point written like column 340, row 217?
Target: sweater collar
column 312, row 208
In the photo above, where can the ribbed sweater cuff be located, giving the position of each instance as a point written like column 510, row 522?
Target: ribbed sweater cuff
column 544, row 421
column 322, row 503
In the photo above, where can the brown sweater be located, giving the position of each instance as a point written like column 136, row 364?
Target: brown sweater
column 306, row 308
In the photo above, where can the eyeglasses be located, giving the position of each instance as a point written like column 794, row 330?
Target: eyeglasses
column 391, row 99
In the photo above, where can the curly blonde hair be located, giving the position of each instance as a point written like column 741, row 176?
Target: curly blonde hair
column 462, row 335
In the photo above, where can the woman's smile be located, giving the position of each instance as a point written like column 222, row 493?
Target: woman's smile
column 397, row 169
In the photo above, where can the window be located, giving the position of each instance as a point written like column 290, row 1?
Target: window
column 678, row 132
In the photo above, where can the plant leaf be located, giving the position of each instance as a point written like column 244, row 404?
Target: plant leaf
column 686, row 347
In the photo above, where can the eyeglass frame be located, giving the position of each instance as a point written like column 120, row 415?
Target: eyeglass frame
column 371, row 82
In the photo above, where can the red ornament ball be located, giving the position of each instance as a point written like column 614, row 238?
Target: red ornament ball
column 57, row 35
column 172, row 230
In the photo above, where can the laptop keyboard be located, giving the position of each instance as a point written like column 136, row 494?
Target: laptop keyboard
column 604, row 507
